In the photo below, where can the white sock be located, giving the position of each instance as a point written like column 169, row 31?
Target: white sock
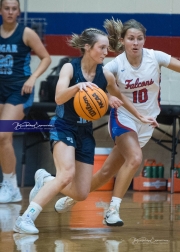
column 32, row 211
column 47, row 179
column 10, row 178
column 115, row 202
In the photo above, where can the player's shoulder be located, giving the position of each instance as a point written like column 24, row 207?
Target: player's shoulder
column 108, row 75
column 147, row 52
column 120, row 57
column 28, row 30
column 106, row 71
column 67, row 68
column 117, row 60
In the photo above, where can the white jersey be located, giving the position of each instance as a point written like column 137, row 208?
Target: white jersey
column 141, row 85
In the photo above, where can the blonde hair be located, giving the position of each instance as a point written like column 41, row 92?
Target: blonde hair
column 88, row 36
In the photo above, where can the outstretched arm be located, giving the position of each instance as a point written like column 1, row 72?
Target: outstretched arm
column 174, row 65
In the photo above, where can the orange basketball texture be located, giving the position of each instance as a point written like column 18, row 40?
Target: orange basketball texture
column 91, row 104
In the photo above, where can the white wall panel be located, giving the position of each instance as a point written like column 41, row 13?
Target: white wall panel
column 170, row 87
column 114, row 6
column 34, row 63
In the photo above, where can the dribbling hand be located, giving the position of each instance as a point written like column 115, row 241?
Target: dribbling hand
column 84, row 85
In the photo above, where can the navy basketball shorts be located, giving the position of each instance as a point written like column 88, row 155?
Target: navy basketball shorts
column 11, row 93
column 80, row 136
column 120, row 123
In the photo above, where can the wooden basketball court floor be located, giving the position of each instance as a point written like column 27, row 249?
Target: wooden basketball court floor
column 152, row 223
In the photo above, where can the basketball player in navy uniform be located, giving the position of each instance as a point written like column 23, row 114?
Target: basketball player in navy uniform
column 16, row 86
column 72, row 140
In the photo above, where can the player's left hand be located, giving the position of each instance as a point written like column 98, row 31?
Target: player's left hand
column 149, row 119
column 114, row 102
column 28, row 85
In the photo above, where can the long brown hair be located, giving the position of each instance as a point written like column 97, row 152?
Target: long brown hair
column 132, row 23
column 114, row 30
column 117, row 30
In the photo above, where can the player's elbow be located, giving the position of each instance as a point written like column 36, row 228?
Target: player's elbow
column 58, row 99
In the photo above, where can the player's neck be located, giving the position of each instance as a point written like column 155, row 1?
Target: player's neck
column 88, row 69
column 135, row 61
column 6, row 30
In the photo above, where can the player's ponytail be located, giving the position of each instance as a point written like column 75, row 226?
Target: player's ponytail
column 88, row 36
column 114, row 29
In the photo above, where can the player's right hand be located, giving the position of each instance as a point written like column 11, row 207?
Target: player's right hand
column 114, row 102
column 84, row 85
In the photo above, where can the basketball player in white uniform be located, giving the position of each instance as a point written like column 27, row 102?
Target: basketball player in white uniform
column 141, row 85
column 137, row 72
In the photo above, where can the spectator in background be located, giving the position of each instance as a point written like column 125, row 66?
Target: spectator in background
column 16, row 86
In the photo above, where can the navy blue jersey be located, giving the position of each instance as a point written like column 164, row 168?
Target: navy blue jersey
column 66, row 111
column 14, row 57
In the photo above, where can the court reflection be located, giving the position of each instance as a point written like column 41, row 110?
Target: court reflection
column 8, row 215
column 25, row 242
column 152, row 223
column 142, row 212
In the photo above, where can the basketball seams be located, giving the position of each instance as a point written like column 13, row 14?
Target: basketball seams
column 77, row 100
column 93, row 103
column 82, row 99
column 82, row 107
column 105, row 101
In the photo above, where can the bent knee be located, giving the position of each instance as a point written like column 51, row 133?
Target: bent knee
column 134, row 162
column 137, row 160
column 81, row 196
column 5, row 137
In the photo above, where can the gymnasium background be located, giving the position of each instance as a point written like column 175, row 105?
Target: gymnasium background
column 64, row 17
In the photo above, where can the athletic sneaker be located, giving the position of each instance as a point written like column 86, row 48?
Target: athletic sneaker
column 8, row 193
column 39, row 182
column 8, row 215
column 25, row 226
column 112, row 217
column 25, row 243
column 64, row 204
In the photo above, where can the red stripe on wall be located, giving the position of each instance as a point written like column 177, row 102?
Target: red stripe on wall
column 169, row 45
column 57, row 45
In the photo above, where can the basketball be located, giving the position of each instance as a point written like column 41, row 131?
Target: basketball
column 91, row 104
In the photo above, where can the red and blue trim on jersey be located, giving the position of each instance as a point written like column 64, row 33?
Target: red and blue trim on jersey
column 116, row 128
